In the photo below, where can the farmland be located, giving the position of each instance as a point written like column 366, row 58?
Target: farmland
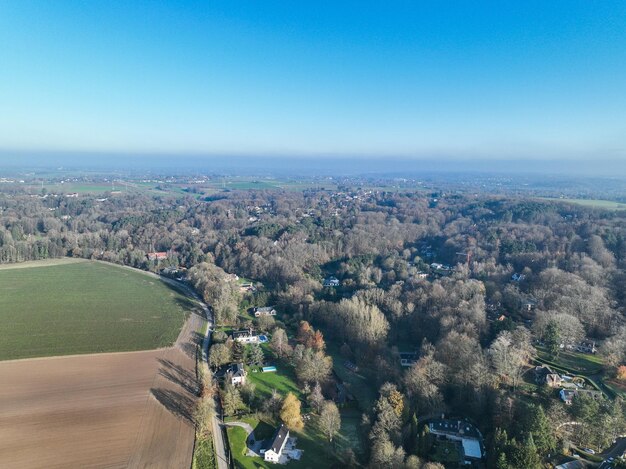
column 63, row 308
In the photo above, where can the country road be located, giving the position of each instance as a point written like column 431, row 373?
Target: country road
column 218, row 437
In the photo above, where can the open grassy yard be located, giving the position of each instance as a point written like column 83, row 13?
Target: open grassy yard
column 574, row 362
column 317, row 452
column 283, row 381
column 85, row 307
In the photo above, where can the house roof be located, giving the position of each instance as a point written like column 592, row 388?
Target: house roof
column 242, row 333
column 237, row 370
column 282, row 433
column 572, row 465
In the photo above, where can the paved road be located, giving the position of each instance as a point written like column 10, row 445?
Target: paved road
column 218, row 436
column 614, row 451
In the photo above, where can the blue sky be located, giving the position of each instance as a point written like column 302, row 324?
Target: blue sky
column 544, row 79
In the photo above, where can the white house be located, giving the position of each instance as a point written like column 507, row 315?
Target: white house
column 237, row 374
column 275, row 451
column 331, row 282
column 245, row 336
column 264, row 311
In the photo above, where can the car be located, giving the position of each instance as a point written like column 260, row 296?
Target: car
column 610, row 459
column 589, row 451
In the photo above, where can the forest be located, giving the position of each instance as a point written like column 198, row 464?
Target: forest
column 480, row 291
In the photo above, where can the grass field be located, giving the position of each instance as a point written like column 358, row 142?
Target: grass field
column 596, row 203
column 85, row 307
column 577, row 363
column 317, row 452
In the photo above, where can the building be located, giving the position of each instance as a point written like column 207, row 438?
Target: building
column 529, row 304
column 518, row 277
column 245, row 336
column 275, row 450
column 553, row 380
column 464, row 433
column 157, row 256
column 572, row 465
column 236, row 374
column 331, row 282
column 263, row 311
column 568, row 395
column 587, row 347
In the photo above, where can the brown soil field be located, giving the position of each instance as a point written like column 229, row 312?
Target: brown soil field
column 112, row 410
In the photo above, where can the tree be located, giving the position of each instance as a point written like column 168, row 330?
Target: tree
column 552, row 338
column 203, row 414
column 510, row 353
column 316, row 398
column 280, row 342
column 231, row 399
column 219, row 355
column 254, row 355
column 526, row 455
column 313, row 367
column 290, row 413
column 537, row 424
column 330, row 420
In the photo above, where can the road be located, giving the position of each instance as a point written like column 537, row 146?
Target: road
column 218, row 436
column 614, row 451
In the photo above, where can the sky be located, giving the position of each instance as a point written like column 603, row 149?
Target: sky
column 413, row 79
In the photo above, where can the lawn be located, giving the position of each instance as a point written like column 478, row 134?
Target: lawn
column 446, row 452
column 85, row 307
column 574, row 362
column 359, row 384
column 316, row 450
column 283, row 381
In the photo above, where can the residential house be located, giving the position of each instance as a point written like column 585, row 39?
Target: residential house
column 517, row 277
column 245, row 336
column 572, row 465
column 464, row 433
column 529, row 304
column 275, row 450
column 236, row 374
column 553, row 380
column 587, row 347
column 263, row 311
column 541, row 373
column 331, row 282
column 421, row 274
column 157, row 256
column 568, row 395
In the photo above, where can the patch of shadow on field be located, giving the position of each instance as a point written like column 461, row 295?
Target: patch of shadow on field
column 177, row 403
column 190, row 348
column 178, row 375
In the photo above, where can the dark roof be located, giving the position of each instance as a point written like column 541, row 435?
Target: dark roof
column 242, row 333
column 279, row 438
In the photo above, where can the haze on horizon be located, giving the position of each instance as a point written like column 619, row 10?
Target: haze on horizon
column 538, row 80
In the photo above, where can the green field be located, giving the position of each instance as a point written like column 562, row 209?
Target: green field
column 574, row 362
column 64, row 308
column 317, row 452
column 595, row 203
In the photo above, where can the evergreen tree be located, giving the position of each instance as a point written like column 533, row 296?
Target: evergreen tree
column 552, row 338
column 526, row 456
